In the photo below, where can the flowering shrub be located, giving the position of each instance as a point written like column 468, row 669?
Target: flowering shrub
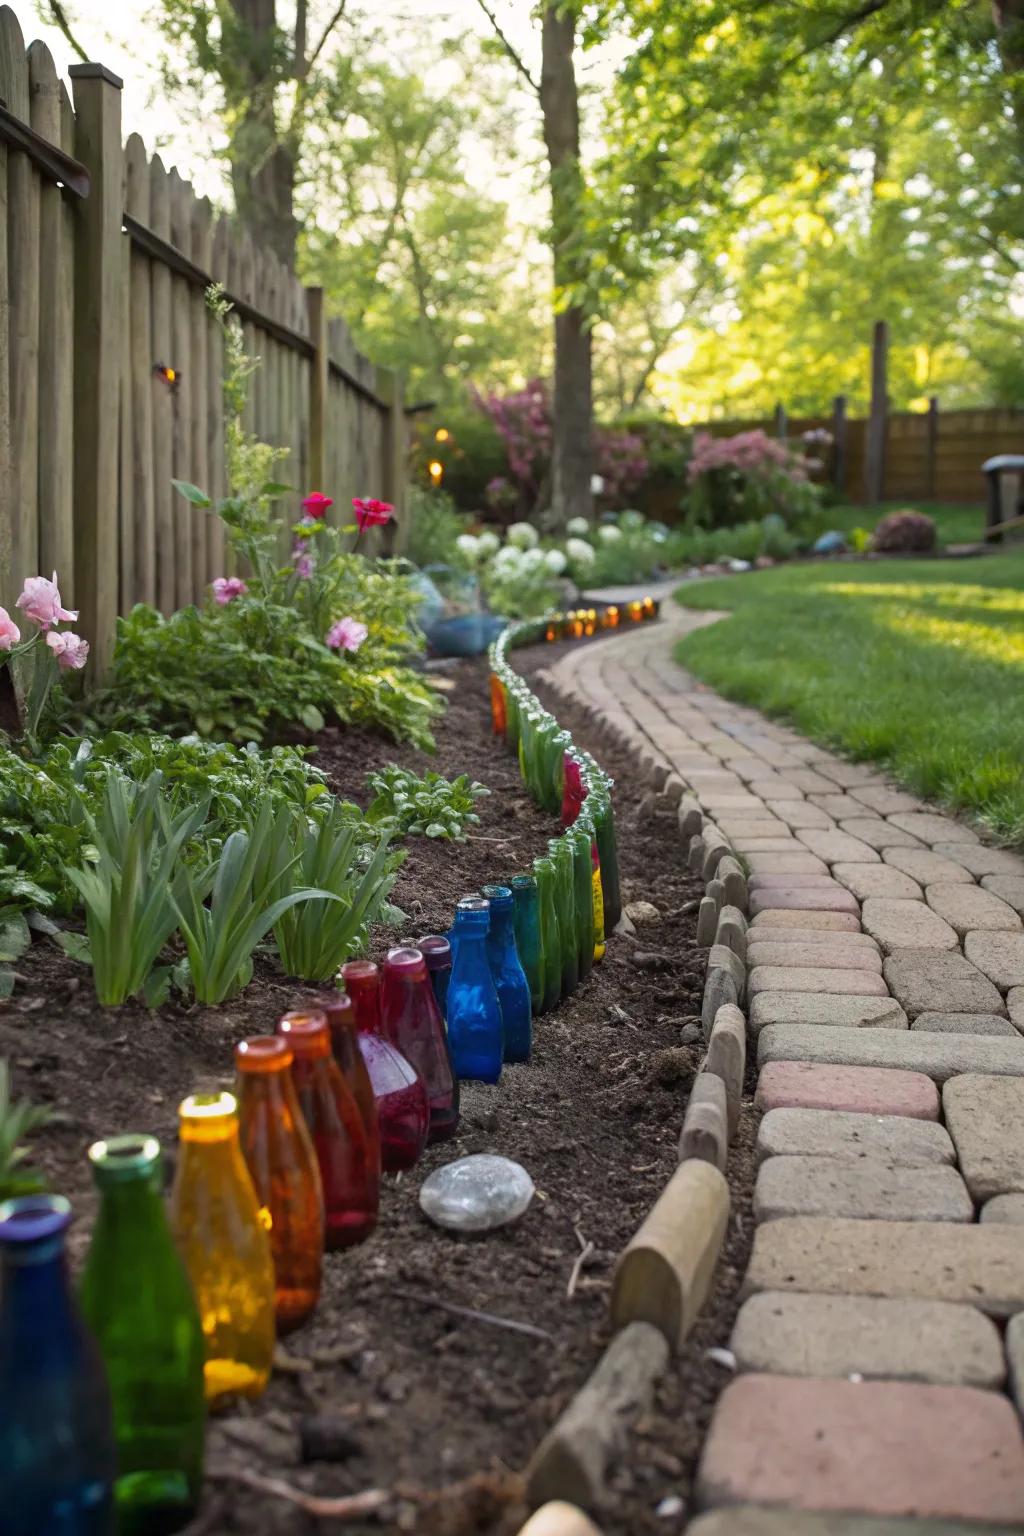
column 905, row 532
column 736, row 479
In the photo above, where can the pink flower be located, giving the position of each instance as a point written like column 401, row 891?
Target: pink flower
column 347, row 635
column 370, row 512
column 41, row 601
column 10, row 634
column 71, row 651
column 316, row 504
column 227, row 588
column 304, row 566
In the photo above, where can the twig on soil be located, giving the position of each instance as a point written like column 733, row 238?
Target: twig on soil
column 581, row 1259
column 510, row 837
column 348, row 1507
column 472, row 1314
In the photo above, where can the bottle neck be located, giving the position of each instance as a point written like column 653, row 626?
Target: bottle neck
column 35, row 1302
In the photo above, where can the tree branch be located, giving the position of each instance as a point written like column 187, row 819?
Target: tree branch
column 339, row 11
column 513, row 55
column 59, row 19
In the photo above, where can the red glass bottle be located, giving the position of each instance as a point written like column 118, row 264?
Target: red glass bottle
column 412, row 1022
column 341, row 1021
column 574, row 792
column 402, row 1108
column 350, row 1179
column 281, row 1159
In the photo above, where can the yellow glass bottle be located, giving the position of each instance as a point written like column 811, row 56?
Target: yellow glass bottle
column 215, row 1218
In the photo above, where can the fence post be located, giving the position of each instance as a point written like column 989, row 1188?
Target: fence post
column 874, row 444
column 931, row 447
column 98, row 323
column 318, row 387
column 780, row 422
column 394, row 455
column 839, row 443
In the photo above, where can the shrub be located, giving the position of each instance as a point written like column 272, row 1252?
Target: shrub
column 746, row 477
column 434, row 525
column 432, row 806
column 904, row 533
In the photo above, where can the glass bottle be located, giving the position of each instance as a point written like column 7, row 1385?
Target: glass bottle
column 497, row 705
column 550, row 932
column 583, row 897
column 281, row 1160
column 348, row 1175
column 510, row 981
column 526, row 920
column 403, row 1112
column 558, row 746
column 604, row 826
column 597, row 893
column 512, row 719
column 137, row 1300
column 215, row 1219
column 574, row 791
column 474, row 1013
column 560, row 855
column 56, row 1430
column 437, row 952
column 413, row 1024
column 341, row 1022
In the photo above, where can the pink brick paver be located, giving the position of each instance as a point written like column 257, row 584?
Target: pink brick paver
column 873, row 1447
column 860, row 1090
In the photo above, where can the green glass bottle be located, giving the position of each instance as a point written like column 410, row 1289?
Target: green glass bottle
column 558, row 746
column 512, row 702
column 600, row 806
column 529, row 720
column 137, row 1300
column 583, row 893
column 560, row 855
column 526, row 921
column 550, row 932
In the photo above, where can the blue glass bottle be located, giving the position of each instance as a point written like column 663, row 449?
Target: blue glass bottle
column 474, row 1013
column 510, row 980
column 57, row 1456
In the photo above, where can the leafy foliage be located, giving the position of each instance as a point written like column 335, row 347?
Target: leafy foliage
column 904, row 533
column 430, row 806
column 18, row 1119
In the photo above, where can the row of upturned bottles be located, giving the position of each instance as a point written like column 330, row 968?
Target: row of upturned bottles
column 104, row 1392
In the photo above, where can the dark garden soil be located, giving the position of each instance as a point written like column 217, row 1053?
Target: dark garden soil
column 440, row 1410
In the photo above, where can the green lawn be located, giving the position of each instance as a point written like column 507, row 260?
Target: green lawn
column 954, row 524
column 914, row 664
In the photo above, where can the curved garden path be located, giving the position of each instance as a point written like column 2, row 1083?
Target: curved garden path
column 880, row 1347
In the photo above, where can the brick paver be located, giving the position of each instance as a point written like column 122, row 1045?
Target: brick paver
column 853, row 887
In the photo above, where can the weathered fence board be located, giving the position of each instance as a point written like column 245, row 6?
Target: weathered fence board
column 102, row 278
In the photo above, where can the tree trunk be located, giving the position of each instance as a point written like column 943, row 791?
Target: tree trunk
column 1008, row 16
column 573, row 406
column 262, row 163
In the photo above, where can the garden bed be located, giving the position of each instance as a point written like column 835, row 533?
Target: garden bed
column 439, row 1409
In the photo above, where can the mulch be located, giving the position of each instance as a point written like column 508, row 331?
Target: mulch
column 384, row 1388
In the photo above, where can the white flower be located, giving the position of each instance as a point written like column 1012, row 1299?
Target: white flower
column 578, row 525
column 507, row 560
column 609, row 533
column 467, row 545
column 532, row 560
column 488, row 542
column 555, row 561
column 631, row 519
column 522, row 535
column 579, row 551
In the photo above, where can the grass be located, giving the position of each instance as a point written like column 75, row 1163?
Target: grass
column 955, row 524
column 914, row 664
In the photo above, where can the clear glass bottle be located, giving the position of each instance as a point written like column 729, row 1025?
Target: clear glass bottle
column 550, row 931
column 57, row 1450
column 413, row 1024
column 474, row 1013
column 526, row 920
column 215, row 1219
column 510, row 980
column 349, row 1175
column 137, row 1299
column 282, row 1162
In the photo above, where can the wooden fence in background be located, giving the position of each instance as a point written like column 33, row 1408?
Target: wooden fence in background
column 111, row 365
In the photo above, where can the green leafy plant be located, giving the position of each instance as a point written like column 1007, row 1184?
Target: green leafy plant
column 18, row 1119
column 430, row 806
column 127, row 892
column 859, row 540
column 313, row 940
column 246, row 900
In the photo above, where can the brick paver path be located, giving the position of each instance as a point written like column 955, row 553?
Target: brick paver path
column 880, row 1350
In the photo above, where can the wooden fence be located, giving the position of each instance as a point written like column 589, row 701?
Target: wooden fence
column 115, row 366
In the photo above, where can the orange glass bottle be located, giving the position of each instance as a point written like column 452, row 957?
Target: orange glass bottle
column 341, row 1021
column 498, row 714
column 225, row 1247
column 283, row 1165
column 348, row 1172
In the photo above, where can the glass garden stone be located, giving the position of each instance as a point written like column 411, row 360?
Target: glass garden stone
column 476, row 1194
